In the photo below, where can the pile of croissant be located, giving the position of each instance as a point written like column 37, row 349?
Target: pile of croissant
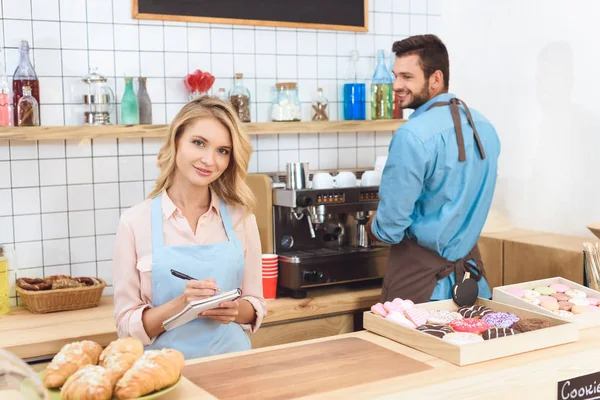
column 55, row 282
column 84, row 371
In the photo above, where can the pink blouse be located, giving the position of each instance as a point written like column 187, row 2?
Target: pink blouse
column 132, row 261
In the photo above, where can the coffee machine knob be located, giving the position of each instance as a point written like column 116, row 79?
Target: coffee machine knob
column 313, row 276
column 303, row 200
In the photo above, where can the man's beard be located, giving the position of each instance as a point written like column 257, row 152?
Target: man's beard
column 420, row 98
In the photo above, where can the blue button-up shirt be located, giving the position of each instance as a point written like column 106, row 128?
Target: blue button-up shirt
column 427, row 194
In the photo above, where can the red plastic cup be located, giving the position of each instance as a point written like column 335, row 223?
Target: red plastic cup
column 270, row 257
column 270, row 268
column 269, row 287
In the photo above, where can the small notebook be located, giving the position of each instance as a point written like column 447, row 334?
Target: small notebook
column 191, row 311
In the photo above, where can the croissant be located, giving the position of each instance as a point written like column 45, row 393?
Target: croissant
column 120, row 355
column 69, row 359
column 155, row 370
column 91, row 382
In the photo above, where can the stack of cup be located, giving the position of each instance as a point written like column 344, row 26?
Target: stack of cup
column 269, row 270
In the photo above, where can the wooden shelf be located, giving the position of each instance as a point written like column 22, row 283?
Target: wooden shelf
column 147, row 131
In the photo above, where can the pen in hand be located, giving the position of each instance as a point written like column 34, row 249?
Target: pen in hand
column 181, row 275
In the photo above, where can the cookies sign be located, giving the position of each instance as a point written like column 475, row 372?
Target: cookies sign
column 584, row 387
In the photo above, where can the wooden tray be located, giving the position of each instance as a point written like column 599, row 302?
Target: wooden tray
column 583, row 321
column 559, row 333
column 301, row 370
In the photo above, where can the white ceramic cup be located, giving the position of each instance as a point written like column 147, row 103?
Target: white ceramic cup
column 380, row 163
column 345, row 179
column 371, row 178
column 322, row 180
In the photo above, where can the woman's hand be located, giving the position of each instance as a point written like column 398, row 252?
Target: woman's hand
column 226, row 312
column 197, row 290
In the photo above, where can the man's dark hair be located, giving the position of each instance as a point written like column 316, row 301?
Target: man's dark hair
column 431, row 51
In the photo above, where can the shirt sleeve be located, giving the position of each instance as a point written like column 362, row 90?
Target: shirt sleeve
column 401, row 185
column 129, row 305
column 252, row 289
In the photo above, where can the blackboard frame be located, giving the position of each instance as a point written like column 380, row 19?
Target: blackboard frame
column 234, row 21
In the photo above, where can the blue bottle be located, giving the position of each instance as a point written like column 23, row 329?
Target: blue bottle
column 354, row 94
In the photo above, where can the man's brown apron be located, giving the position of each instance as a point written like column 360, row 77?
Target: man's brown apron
column 412, row 270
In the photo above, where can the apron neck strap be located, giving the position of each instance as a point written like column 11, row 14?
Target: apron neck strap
column 226, row 218
column 157, row 223
column 454, row 110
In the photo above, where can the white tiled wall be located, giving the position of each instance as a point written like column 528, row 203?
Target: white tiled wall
column 60, row 200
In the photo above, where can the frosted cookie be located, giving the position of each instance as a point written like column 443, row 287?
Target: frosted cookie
column 469, row 325
column 531, row 324
column 517, row 292
column 578, row 301
column 544, row 290
column 417, row 315
column 398, row 304
column 389, row 307
column 436, row 330
column 443, row 317
column 579, row 309
column 500, row 319
column 530, row 294
column 559, row 287
column 407, row 304
column 550, row 305
column 494, row 333
column 462, row 338
column 547, row 298
column 564, row 314
column 532, row 300
column 474, row 311
column 576, row 293
column 561, row 297
column 378, row 309
column 400, row 319
column 565, row 305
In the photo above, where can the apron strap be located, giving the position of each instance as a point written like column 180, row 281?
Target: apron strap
column 454, row 110
column 157, row 223
column 226, row 218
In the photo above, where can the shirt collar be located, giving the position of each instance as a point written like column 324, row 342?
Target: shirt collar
column 168, row 207
column 424, row 107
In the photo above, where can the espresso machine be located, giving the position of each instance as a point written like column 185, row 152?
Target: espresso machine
column 320, row 235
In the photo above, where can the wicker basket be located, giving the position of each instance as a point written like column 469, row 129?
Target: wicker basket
column 46, row 301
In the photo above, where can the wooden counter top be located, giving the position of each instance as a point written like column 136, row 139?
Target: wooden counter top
column 532, row 375
column 35, row 335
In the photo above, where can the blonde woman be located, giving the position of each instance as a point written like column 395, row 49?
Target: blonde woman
column 197, row 221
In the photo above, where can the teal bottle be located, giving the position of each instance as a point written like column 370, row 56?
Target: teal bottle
column 130, row 108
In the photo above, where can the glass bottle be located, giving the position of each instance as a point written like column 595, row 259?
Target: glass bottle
column 4, row 288
column 222, row 95
column 381, row 90
column 28, row 111
column 396, row 106
column 24, row 76
column 239, row 97
column 130, row 108
column 6, row 116
column 354, row 93
column 144, row 102
column 319, row 107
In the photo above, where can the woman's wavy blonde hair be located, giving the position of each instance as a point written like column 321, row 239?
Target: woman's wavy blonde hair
column 231, row 185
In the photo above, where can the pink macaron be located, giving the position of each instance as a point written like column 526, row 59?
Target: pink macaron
column 547, row 298
column 517, row 292
column 592, row 301
column 559, row 287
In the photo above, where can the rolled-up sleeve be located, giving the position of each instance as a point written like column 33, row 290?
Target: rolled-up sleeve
column 129, row 306
column 252, row 282
column 401, row 185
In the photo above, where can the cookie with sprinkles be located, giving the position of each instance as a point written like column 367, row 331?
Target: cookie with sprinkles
column 497, row 332
column 500, row 319
column 474, row 311
column 442, row 317
column 435, row 330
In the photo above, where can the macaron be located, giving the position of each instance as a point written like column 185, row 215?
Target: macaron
column 578, row 301
column 576, row 293
column 565, row 305
column 559, row 287
column 593, row 301
column 531, row 294
column 579, row 309
column 378, row 309
column 544, row 290
column 564, row 314
column 593, row 308
column 547, row 298
column 550, row 305
column 532, row 300
column 561, row 297
column 517, row 292
column 462, row 338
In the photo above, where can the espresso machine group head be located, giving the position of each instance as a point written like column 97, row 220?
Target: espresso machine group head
column 320, row 237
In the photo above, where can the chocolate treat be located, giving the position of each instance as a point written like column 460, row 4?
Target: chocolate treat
column 494, row 333
column 435, row 330
column 474, row 311
column 500, row 319
column 565, row 305
column 561, row 296
column 531, row 324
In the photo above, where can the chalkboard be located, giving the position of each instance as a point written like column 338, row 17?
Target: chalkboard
column 345, row 15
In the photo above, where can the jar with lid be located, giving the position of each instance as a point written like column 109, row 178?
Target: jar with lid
column 286, row 103
column 98, row 99
column 239, row 97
